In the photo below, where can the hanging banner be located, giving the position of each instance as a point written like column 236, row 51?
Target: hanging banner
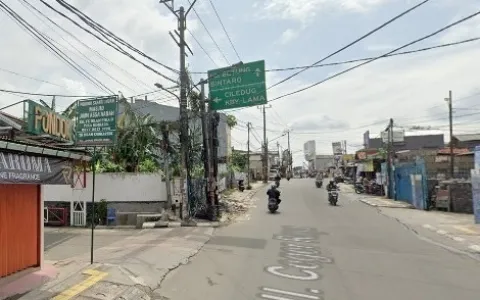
column 31, row 169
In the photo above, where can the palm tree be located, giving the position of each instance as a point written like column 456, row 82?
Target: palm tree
column 231, row 121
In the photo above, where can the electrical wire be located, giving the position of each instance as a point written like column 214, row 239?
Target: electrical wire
column 378, row 57
column 44, row 41
column 80, row 53
column 98, row 54
column 209, row 34
column 353, row 43
column 368, row 58
column 99, row 28
column 31, row 78
column 204, row 51
column 109, row 43
column 224, row 29
column 46, row 95
column 39, row 15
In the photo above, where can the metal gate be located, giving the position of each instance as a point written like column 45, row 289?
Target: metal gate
column 79, row 214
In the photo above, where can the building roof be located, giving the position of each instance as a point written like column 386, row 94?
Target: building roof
column 467, row 137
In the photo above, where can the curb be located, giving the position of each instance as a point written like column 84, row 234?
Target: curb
column 372, row 203
column 472, row 247
column 151, row 225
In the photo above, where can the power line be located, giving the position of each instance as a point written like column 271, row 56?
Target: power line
column 31, row 7
column 44, row 41
column 108, row 42
column 224, row 29
column 353, row 43
column 201, row 47
column 378, row 57
column 31, row 78
column 46, row 95
column 209, row 34
column 85, row 58
column 99, row 28
column 368, row 58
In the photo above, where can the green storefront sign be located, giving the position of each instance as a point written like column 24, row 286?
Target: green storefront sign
column 238, row 86
column 43, row 121
column 97, row 121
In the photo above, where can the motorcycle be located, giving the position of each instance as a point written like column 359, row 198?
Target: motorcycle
column 272, row 205
column 377, row 189
column 333, row 197
column 319, row 184
column 241, row 186
column 359, row 188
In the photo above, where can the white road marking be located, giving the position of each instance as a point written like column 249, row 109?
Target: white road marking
column 442, row 232
column 290, row 293
column 475, row 248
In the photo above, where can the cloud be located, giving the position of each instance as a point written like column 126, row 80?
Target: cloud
column 288, row 36
column 317, row 123
column 304, row 11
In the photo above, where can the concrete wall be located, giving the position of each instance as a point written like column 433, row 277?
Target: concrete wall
column 113, row 187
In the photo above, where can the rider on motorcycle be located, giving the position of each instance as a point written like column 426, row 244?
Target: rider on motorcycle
column 274, row 193
column 278, row 177
column 332, row 186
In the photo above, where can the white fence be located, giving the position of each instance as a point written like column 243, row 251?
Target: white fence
column 118, row 187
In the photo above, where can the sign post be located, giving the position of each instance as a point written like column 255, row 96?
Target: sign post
column 96, row 126
column 238, row 86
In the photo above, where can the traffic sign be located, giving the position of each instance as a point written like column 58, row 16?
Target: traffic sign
column 238, row 86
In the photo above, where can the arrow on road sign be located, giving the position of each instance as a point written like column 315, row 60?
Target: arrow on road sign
column 257, row 72
column 216, row 100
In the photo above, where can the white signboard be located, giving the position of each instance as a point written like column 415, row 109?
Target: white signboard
column 337, row 148
column 398, row 136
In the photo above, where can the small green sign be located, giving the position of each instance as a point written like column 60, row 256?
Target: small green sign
column 97, row 121
column 238, row 86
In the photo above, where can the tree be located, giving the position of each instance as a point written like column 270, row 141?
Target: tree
column 238, row 160
column 231, row 121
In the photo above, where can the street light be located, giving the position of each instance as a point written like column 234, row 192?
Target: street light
column 158, row 85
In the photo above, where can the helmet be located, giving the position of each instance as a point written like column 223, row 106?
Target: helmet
column 331, row 181
column 274, row 187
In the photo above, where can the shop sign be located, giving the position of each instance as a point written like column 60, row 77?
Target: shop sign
column 43, row 121
column 32, row 169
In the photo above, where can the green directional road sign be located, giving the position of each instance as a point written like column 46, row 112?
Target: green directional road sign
column 238, row 86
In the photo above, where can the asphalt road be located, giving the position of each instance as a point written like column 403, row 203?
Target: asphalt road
column 311, row 250
column 54, row 238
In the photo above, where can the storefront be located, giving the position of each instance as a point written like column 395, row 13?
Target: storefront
column 23, row 170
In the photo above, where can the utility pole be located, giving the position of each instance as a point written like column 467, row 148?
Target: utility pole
column 248, row 155
column 207, row 159
column 389, row 157
column 181, row 15
column 290, row 158
column 265, row 144
column 450, row 118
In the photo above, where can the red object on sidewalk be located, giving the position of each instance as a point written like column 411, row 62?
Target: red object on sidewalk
column 28, row 282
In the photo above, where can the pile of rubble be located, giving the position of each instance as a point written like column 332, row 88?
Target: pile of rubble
column 235, row 204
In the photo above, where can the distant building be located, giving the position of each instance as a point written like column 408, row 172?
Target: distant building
column 171, row 113
column 468, row 141
column 413, row 141
column 323, row 162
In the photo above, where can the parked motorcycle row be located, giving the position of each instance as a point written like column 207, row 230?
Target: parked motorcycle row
column 371, row 189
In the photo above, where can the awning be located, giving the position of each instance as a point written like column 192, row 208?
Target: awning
column 32, row 164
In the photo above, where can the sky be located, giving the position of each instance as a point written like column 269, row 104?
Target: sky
column 410, row 88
